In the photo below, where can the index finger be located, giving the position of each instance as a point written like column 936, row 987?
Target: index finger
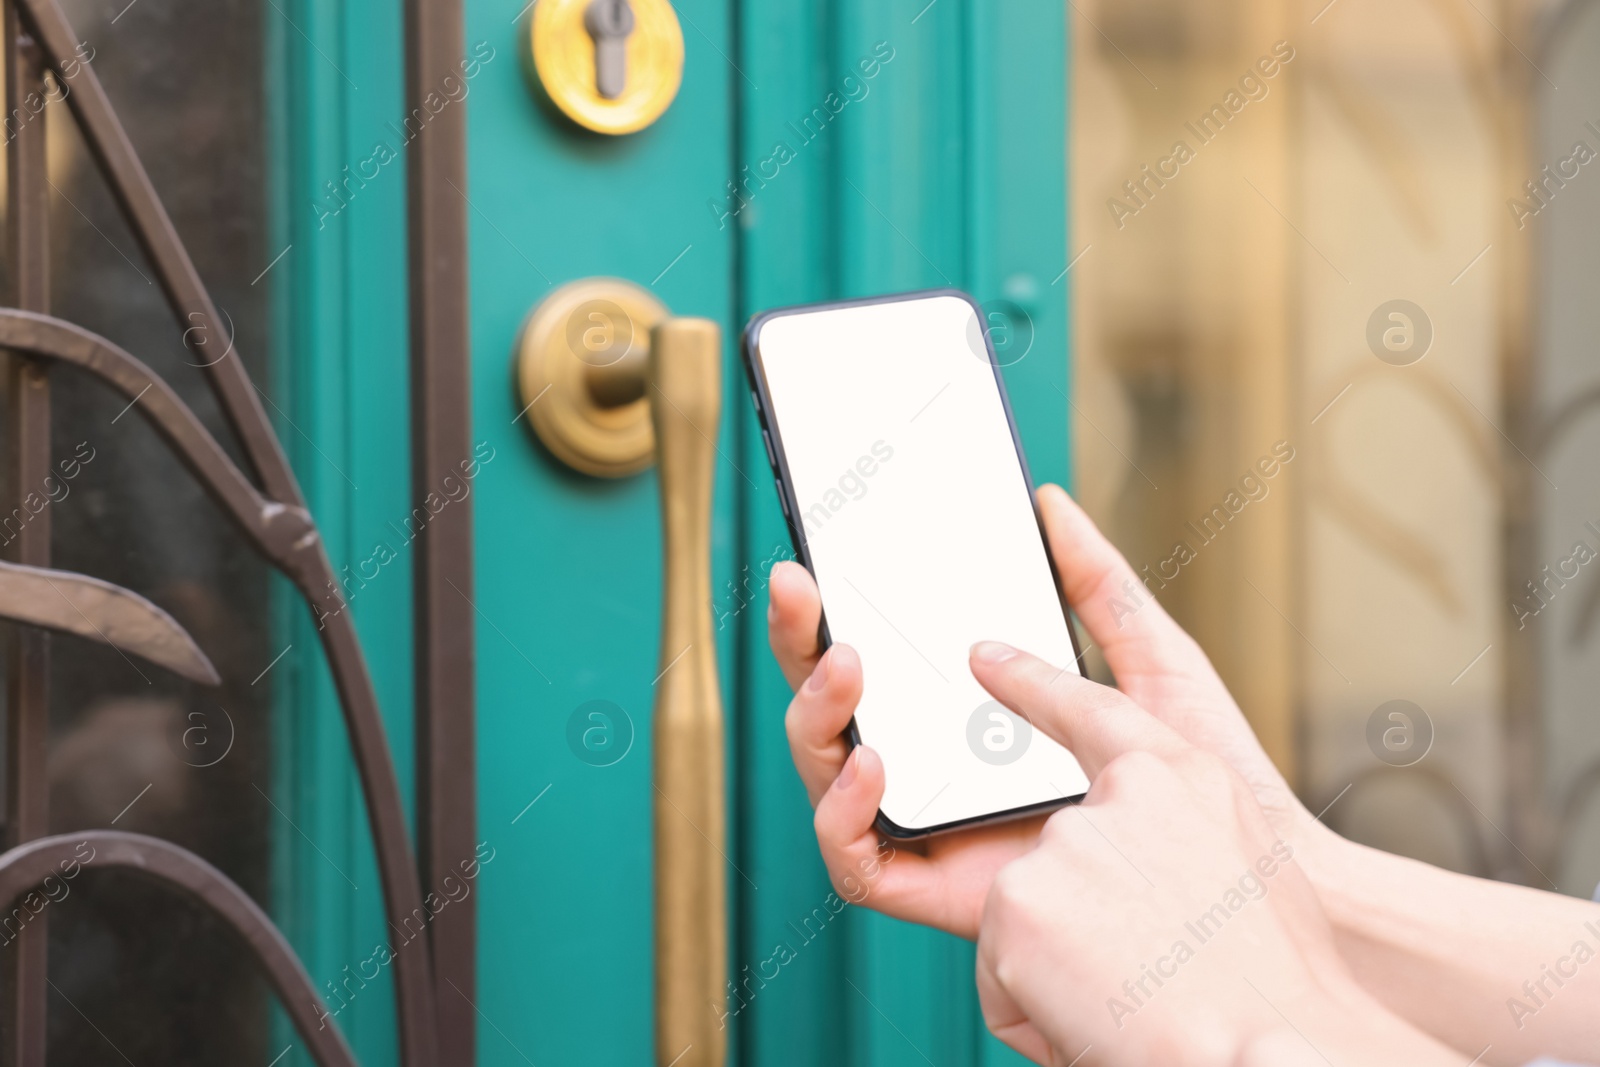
column 1094, row 722
column 1116, row 606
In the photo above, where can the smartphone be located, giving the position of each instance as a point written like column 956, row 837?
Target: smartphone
column 899, row 469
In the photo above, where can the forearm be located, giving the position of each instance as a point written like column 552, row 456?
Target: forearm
column 1480, row 965
column 1363, row 1035
column 1370, row 1038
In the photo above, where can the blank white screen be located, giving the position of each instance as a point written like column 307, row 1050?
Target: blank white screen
column 923, row 539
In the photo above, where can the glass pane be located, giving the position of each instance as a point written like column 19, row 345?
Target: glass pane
column 138, row 973
column 1317, row 242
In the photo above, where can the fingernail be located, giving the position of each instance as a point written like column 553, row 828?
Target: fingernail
column 992, row 652
column 819, row 676
column 848, row 774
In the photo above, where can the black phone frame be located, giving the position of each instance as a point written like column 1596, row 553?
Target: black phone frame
column 778, row 460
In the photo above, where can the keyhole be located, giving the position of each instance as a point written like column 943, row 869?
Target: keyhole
column 609, row 22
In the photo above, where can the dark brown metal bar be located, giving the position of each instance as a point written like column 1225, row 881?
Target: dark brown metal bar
column 441, row 439
column 205, row 331
column 274, row 528
column 64, row 858
column 99, row 611
column 279, row 531
column 28, row 463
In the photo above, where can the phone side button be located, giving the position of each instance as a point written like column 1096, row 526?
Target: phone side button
column 772, row 457
column 783, row 502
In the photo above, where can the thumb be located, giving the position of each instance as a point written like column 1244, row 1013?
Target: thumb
column 1094, row 722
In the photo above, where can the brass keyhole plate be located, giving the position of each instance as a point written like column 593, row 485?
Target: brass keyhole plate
column 564, row 60
column 574, row 347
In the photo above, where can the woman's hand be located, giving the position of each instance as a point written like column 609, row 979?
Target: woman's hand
column 1156, row 664
column 1391, row 914
column 1164, row 919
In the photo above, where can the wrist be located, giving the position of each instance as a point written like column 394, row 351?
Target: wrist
column 1327, row 859
column 1360, row 892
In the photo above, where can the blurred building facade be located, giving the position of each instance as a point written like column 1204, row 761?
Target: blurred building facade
column 1362, row 235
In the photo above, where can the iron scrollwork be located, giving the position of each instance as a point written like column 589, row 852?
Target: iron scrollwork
column 26, row 868
column 274, row 520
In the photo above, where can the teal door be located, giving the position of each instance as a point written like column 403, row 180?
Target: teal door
column 813, row 152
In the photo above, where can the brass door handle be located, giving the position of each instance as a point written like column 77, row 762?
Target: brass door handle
column 691, row 885
column 610, row 381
